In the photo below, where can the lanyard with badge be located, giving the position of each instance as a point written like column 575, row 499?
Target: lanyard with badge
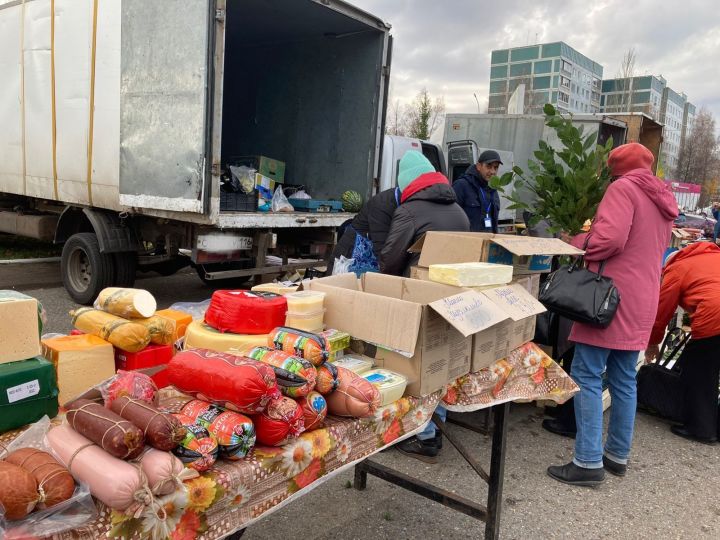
column 487, row 207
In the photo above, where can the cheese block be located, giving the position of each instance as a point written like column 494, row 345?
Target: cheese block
column 151, row 356
column 127, row 303
column 81, row 362
column 471, row 274
column 180, row 321
column 28, row 391
column 356, row 363
column 19, row 327
column 276, row 288
column 201, row 336
column 391, row 385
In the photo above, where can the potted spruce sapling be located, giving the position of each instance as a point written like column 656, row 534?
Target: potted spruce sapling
column 568, row 184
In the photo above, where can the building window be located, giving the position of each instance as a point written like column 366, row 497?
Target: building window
column 566, row 67
column 541, row 83
column 544, row 66
column 526, row 53
column 498, row 87
column 499, row 57
column 519, row 70
column 551, row 49
column 498, row 72
column 563, row 98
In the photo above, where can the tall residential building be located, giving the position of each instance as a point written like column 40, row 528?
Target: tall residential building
column 672, row 114
column 636, row 94
column 688, row 120
column 552, row 73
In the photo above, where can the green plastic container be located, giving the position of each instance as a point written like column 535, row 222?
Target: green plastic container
column 28, row 391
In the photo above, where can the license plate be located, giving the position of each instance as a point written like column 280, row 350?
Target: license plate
column 218, row 242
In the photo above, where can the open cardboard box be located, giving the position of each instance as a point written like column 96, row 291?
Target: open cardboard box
column 420, row 329
column 527, row 255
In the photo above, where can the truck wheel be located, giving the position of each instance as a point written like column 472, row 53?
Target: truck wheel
column 85, row 271
column 125, row 268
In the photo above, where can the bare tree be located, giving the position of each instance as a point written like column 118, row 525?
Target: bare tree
column 699, row 157
column 626, row 74
column 396, row 121
column 425, row 115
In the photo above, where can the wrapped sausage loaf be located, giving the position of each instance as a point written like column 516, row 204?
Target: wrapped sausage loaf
column 113, row 481
column 161, row 430
column 124, row 334
column 164, row 472
column 312, row 347
column 354, row 396
column 161, row 329
column 55, row 483
column 111, row 432
column 127, row 303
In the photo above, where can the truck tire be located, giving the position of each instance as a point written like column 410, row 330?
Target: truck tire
column 125, row 264
column 85, row 271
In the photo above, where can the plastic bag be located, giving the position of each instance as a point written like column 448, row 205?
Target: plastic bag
column 302, row 194
column 64, row 516
column 280, row 202
column 342, row 265
column 195, row 309
column 364, row 256
column 243, row 178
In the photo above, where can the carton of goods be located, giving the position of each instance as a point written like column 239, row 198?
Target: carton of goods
column 28, row 391
column 126, row 303
column 356, row 363
column 81, row 362
column 233, row 382
column 276, row 288
column 202, row 336
column 311, row 346
column 337, row 342
column 161, row 330
column 55, row 483
column 295, row 376
column 354, row 396
column 527, row 255
column 419, row 329
column 179, row 319
column 150, row 356
column 471, row 274
column 314, row 409
column 161, row 430
column 283, row 420
column 234, row 432
column 267, row 166
column 19, row 327
column 122, row 333
column 391, row 385
column 245, row 312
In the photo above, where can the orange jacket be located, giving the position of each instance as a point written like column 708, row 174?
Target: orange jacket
column 691, row 279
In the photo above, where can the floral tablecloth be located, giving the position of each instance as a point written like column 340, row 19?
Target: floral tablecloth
column 234, row 494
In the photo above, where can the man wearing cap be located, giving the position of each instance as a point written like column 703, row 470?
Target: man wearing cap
column 474, row 194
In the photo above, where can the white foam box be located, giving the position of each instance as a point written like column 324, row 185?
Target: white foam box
column 19, row 327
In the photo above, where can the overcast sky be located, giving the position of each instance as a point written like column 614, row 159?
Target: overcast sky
column 445, row 45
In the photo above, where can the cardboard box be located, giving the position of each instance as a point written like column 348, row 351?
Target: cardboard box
column 527, row 255
column 266, row 166
column 265, row 186
column 418, row 328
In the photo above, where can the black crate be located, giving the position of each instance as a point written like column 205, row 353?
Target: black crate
column 238, row 202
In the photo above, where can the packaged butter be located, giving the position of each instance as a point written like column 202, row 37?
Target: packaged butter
column 391, row 385
column 305, row 302
column 28, row 391
column 355, row 362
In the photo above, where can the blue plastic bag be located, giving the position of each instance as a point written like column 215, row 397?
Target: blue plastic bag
column 364, row 256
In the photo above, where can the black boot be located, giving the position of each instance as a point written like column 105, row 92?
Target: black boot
column 683, row 432
column 425, row 451
column 613, row 467
column 558, row 427
column 577, row 476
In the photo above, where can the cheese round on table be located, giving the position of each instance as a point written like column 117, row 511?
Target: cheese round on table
column 127, row 303
column 391, row 385
column 81, row 362
column 471, row 274
column 201, row 336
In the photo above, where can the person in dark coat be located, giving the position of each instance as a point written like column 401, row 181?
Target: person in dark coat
column 427, row 203
column 480, row 202
column 372, row 222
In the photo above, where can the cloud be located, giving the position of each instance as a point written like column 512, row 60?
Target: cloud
column 445, row 46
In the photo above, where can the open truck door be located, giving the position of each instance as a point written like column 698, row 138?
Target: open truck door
column 163, row 104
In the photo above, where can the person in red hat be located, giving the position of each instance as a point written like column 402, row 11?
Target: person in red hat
column 630, row 233
column 691, row 279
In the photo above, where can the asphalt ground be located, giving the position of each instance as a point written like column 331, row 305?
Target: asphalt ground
column 672, row 489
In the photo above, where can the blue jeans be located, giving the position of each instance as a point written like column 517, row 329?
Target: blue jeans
column 431, row 429
column 588, row 365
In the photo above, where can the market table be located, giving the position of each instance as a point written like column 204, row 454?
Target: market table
column 527, row 374
column 234, row 494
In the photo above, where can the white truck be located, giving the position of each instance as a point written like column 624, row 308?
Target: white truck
column 119, row 117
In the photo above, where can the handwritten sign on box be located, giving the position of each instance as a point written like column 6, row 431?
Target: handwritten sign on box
column 470, row 312
column 515, row 301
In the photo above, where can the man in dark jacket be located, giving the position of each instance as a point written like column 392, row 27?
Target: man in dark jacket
column 427, row 203
column 480, row 202
column 372, row 222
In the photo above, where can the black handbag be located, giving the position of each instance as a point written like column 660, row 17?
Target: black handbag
column 580, row 295
column 659, row 387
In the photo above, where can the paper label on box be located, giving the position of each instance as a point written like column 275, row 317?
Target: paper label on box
column 23, row 391
column 516, row 301
column 469, row 312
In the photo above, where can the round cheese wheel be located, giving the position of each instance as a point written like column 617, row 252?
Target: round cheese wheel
column 202, row 336
column 55, row 483
column 18, row 494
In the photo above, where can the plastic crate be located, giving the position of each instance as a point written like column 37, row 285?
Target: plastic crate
column 238, row 202
column 316, row 205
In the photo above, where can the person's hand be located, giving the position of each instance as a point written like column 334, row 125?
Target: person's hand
column 651, row 353
column 565, row 237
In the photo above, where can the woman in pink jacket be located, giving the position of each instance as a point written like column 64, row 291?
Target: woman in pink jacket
column 630, row 232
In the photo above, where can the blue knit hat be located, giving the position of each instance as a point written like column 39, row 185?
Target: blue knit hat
column 412, row 165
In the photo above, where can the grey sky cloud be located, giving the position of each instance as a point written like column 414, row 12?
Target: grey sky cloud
column 445, row 46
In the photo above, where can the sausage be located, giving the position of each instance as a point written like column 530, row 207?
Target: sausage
column 161, row 430
column 111, row 432
column 18, row 494
column 55, row 483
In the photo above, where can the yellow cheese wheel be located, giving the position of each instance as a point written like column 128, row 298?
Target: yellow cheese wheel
column 201, row 336
column 127, row 303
